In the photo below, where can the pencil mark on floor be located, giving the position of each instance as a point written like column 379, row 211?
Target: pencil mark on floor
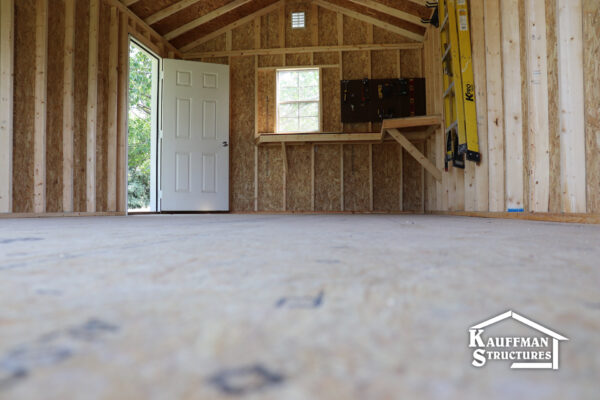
column 92, row 330
column 301, row 301
column 245, row 380
column 593, row 305
column 27, row 239
column 328, row 261
column 50, row 349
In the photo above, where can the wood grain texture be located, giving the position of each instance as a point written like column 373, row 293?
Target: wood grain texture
column 7, row 41
column 40, row 106
column 112, row 126
column 572, row 109
column 92, row 105
column 513, row 114
column 68, row 106
column 55, row 104
column 299, row 178
column 591, row 64
column 327, row 177
column 537, row 84
column 242, row 134
column 356, row 177
column 480, row 75
column 495, row 105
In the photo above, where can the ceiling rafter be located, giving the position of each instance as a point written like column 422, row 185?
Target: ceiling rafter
column 170, row 10
column 233, row 25
column 371, row 20
column 394, row 12
column 205, row 18
column 129, row 2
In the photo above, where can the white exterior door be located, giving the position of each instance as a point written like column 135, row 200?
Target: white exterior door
column 195, row 143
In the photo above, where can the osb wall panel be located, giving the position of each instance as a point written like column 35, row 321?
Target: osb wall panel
column 242, row 133
column 331, row 107
column 216, row 60
column 355, row 31
column 299, row 178
column 356, row 177
column 270, row 184
column 298, row 59
column 217, row 44
column 412, row 178
column 24, row 86
column 327, row 58
column 80, row 100
column 242, row 38
column 384, row 36
column 266, row 101
column 55, row 115
column 328, row 177
column 386, row 177
column 275, row 60
column 327, row 28
column 384, row 64
column 269, row 32
column 591, row 31
column 410, row 64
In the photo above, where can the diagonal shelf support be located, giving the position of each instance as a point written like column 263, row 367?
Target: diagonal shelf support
column 413, row 151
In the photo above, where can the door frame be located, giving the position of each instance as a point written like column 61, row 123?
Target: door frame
column 156, row 134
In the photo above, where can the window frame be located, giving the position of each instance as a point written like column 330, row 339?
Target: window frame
column 319, row 101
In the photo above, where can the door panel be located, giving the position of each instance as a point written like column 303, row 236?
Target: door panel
column 195, row 152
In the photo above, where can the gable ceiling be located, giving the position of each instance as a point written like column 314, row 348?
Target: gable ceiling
column 187, row 22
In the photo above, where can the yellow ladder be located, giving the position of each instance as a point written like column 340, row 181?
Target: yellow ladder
column 459, row 86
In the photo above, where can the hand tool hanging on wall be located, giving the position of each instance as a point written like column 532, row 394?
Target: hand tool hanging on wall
column 459, row 94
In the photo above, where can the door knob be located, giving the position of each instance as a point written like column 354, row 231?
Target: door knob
column 225, row 144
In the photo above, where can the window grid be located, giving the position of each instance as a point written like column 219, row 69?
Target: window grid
column 298, row 100
column 298, row 20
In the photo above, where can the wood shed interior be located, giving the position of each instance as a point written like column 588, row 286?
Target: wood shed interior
column 64, row 95
column 347, row 260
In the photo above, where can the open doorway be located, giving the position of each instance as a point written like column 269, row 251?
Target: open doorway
column 142, row 149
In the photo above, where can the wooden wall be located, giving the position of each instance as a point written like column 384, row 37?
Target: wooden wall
column 538, row 85
column 323, row 177
column 69, row 128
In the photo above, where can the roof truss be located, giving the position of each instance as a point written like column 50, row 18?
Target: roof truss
column 400, row 17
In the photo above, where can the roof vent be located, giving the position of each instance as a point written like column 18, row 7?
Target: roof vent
column 298, row 20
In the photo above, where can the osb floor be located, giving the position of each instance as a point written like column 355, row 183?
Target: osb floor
column 289, row 307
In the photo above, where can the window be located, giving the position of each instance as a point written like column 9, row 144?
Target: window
column 298, row 97
column 298, row 20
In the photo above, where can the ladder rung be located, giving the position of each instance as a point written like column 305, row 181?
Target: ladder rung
column 452, row 126
column 446, row 53
column 445, row 22
column 447, row 92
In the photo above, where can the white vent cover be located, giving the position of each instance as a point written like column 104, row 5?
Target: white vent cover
column 298, row 20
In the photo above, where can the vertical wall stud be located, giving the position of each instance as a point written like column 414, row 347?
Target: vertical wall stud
column 571, row 98
column 92, row 106
column 113, row 58
column 39, row 138
column 495, row 106
column 122, row 116
column 68, row 106
column 6, row 103
column 537, row 86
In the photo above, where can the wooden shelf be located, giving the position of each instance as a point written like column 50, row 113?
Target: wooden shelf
column 413, row 128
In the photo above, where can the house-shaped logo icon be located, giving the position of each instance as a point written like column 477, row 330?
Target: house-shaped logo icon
column 525, row 352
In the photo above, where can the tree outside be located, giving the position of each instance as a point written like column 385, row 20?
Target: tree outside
column 140, row 130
